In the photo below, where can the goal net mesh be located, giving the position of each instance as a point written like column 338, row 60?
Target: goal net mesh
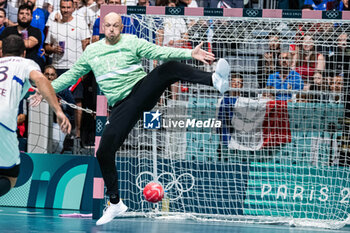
column 279, row 155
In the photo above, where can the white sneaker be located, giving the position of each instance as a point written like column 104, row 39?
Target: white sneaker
column 112, row 211
column 221, row 75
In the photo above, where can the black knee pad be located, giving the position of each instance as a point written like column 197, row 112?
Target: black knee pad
column 5, row 185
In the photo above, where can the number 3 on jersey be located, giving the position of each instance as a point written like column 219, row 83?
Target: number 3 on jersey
column 3, row 74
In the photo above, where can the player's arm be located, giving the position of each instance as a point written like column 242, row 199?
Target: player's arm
column 46, row 90
column 68, row 78
column 152, row 51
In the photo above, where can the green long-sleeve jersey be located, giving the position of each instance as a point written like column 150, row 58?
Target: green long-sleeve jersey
column 117, row 68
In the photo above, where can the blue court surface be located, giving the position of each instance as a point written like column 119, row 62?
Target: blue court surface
column 44, row 220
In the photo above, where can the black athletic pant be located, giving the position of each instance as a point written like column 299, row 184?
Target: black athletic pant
column 128, row 111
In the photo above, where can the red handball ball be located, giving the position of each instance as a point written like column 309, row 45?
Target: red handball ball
column 153, row 192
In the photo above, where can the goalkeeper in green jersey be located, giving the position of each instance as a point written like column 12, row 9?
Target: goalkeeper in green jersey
column 116, row 63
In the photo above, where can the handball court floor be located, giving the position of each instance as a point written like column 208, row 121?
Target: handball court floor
column 44, row 220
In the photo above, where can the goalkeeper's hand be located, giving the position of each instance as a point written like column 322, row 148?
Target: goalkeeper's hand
column 201, row 55
column 35, row 100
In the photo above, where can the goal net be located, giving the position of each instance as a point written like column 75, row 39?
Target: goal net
column 43, row 134
column 271, row 150
column 279, row 151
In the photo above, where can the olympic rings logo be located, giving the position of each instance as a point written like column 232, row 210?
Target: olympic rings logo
column 174, row 10
column 252, row 12
column 332, row 14
column 99, row 126
column 174, row 183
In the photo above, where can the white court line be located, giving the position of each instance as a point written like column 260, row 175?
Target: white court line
column 230, row 224
column 28, row 212
column 38, row 216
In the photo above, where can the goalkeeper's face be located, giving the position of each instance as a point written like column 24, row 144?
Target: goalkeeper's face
column 112, row 26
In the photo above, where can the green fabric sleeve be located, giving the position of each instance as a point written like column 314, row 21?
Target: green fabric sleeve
column 152, row 51
column 70, row 77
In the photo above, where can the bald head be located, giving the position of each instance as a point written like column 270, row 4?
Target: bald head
column 113, row 26
column 113, row 18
